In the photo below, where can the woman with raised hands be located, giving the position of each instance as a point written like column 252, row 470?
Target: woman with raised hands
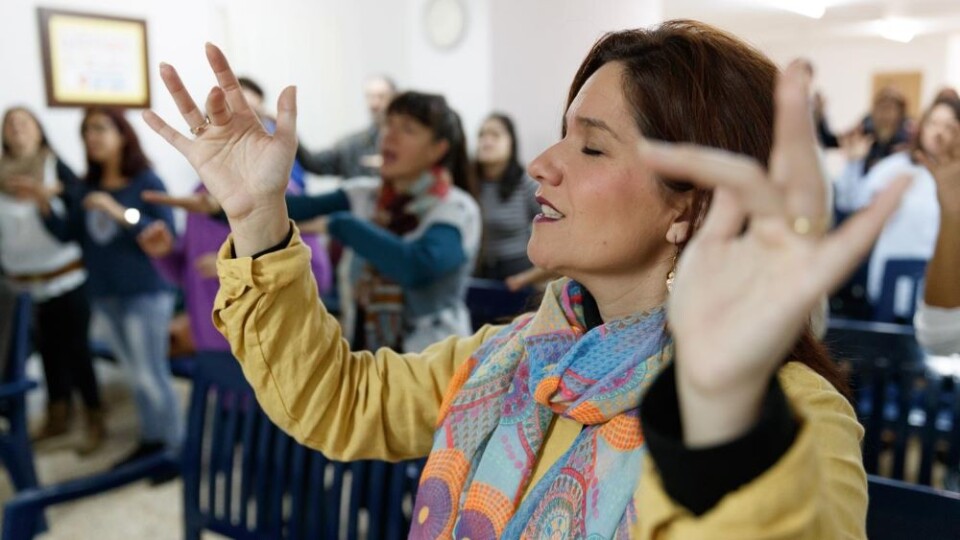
column 413, row 233
column 534, row 428
column 938, row 316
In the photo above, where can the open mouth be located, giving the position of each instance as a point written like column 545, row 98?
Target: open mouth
column 389, row 157
column 547, row 211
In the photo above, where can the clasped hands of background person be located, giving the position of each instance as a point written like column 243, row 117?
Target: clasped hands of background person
column 741, row 296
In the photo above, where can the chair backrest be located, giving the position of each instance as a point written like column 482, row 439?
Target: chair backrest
column 245, row 478
column 898, row 398
column 899, row 510
column 902, row 286
column 13, row 363
column 490, row 301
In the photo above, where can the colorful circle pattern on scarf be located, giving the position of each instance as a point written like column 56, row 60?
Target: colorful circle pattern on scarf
column 495, row 416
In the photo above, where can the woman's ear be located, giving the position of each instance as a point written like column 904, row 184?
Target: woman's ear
column 439, row 149
column 679, row 231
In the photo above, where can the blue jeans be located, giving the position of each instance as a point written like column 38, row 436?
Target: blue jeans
column 139, row 337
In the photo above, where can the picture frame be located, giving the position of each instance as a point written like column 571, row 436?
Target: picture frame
column 91, row 59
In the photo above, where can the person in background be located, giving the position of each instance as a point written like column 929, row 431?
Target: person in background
column 52, row 271
column 667, row 387
column 106, row 215
column 413, row 233
column 937, row 319
column 883, row 132
column 190, row 262
column 947, row 92
column 358, row 154
column 912, row 231
column 254, row 95
column 507, row 198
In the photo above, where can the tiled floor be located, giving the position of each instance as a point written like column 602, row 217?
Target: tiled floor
column 135, row 512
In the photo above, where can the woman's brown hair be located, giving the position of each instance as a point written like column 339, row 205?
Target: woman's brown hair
column 132, row 159
column 690, row 82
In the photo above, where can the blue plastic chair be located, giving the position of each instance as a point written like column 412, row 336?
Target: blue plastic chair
column 896, row 271
column 897, row 398
column 244, row 478
column 898, row 510
column 285, row 490
column 16, row 452
column 491, row 302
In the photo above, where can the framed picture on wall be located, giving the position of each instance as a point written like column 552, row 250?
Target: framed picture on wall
column 93, row 59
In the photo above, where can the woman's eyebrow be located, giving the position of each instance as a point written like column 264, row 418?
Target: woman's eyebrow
column 596, row 123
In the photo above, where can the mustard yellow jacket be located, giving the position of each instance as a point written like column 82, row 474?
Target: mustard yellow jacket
column 362, row 405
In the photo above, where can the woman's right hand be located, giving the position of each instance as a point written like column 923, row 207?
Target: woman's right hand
column 245, row 168
column 946, row 173
column 195, row 203
column 156, row 240
column 856, row 144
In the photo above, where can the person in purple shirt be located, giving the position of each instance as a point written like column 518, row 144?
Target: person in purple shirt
column 190, row 262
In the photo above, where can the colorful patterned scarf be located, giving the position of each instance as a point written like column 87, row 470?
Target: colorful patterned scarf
column 497, row 411
column 380, row 299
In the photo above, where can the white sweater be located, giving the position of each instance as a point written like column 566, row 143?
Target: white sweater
column 26, row 247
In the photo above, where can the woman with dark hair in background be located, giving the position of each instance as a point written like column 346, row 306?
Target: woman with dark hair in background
column 52, row 272
column 413, row 233
column 106, row 215
column 507, row 197
column 667, row 387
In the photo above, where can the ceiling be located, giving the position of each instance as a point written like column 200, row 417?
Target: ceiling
column 770, row 20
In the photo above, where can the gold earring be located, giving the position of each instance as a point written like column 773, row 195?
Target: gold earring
column 673, row 271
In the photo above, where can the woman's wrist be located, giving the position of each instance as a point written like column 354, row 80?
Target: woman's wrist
column 716, row 415
column 261, row 229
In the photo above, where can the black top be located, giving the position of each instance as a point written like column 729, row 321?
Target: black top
column 699, row 478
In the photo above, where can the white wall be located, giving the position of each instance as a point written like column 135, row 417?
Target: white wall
column 171, row 37
column 538, row 46
column 845, row 68
column 326, row 47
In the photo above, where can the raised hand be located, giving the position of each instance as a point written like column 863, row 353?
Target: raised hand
column 195, row 203
column 206, row 265
column 942, row 287
column 946, row 172
column 156, row 240
column 102, row 201
column 25, row 188
column 741, row 299
column 245, row 168
column 855, row 144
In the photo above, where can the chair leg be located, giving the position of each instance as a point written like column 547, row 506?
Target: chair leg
column 18, row 457
column 191, row 531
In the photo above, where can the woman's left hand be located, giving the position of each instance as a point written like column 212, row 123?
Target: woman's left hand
column 742, row 296
column 98, row 200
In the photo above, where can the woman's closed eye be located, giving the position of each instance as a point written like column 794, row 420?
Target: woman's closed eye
column 591, row 151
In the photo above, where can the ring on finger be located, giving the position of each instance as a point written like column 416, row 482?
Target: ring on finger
column 198, row 130
column 804, row 226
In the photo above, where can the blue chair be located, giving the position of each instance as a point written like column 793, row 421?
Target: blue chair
column 890, row 306
column 898, row 510
column 244, row 478
column 897, row 398
column 491, row 302
column 16, row 452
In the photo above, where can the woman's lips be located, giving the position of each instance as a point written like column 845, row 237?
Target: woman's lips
column 548, row 212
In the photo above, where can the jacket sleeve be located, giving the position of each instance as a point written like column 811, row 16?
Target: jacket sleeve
column 816, row 490
column 347, row 404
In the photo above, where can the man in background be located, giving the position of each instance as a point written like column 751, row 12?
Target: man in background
column 357, row 154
